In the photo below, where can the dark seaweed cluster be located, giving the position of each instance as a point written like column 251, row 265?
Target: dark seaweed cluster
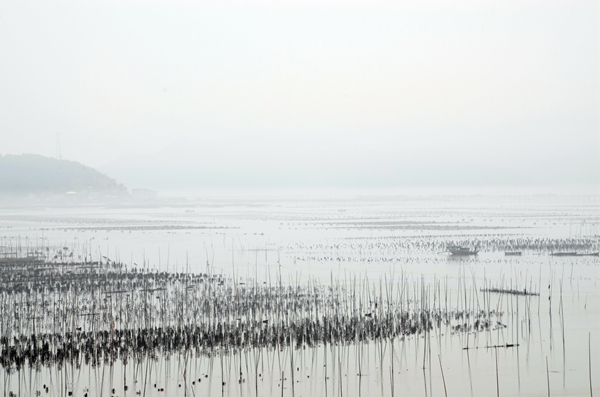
column 53, row 314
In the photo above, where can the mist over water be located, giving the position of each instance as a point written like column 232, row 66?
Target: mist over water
column 169, row 94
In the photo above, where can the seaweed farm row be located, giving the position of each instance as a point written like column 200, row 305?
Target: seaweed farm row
column 357, row 250
column 429, row 244
column 47, row 307
column 59, row 318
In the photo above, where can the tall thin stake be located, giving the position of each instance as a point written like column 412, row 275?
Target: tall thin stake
column 443, row 379
column 590, row 361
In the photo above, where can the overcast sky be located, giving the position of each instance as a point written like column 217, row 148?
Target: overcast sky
column 187, row 94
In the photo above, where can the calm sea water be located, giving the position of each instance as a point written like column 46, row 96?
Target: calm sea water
column 299, row 236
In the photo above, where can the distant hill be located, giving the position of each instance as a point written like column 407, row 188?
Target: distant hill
column 32, row 173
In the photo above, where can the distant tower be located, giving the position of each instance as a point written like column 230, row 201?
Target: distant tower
column 58, row 155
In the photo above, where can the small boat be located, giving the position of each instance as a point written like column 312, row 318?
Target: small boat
column 575, row 253
column 512, row 253
column 457, row 250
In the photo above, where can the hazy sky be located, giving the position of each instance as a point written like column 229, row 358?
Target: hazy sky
column 186, row 94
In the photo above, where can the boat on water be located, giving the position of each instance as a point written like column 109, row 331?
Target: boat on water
column 512, row 253
column 457, row 250
column 575, row 253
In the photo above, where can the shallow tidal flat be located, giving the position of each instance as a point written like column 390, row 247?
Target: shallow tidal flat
column 302, row 298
